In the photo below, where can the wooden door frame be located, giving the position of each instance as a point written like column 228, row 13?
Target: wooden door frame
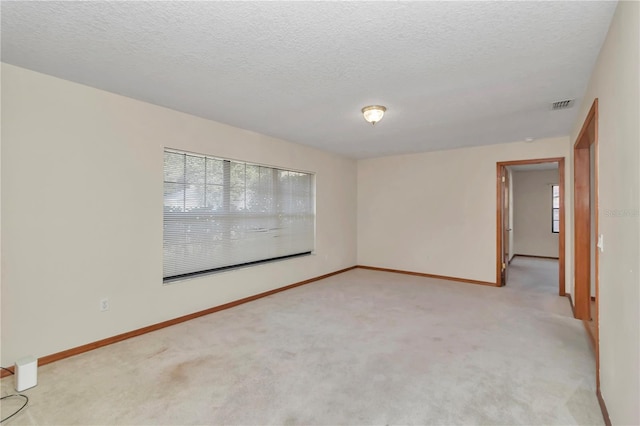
column 561, row 234
column 507, row 199
column 582, row 227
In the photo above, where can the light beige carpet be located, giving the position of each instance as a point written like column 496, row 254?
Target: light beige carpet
column 359, row 348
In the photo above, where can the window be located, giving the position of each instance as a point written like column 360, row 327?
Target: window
column 555, row 209
column 220, row 214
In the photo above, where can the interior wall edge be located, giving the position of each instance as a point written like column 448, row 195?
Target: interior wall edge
column 535, row 256
column 426, row 275
column 603, row 408
column 573, row 310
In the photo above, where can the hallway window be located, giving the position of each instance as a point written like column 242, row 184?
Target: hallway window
column 221, row 214
column 555, row 209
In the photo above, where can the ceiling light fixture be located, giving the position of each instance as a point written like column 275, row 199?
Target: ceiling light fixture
column 373, row 113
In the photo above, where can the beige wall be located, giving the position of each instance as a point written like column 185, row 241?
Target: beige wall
column 435, row 212
column 82, row 190
column 532, row 213
column 615, row 82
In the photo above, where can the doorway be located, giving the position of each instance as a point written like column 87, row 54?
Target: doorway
column 586, row 227
column 503, row 224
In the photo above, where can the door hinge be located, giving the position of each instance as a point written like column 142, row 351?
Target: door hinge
column 503, row 179
column 504, row 266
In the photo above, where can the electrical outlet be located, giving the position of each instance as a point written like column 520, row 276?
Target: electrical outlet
column 104, row 304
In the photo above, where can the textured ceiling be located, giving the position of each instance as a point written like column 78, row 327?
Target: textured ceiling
column 452, row 74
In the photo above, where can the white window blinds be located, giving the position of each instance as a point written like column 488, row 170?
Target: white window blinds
column 555, row 209
column 220, row 214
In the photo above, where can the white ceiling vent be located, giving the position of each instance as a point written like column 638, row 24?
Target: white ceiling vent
column 562, row 104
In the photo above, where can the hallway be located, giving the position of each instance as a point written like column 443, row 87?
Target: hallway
column 537, row 275
column 534, row 282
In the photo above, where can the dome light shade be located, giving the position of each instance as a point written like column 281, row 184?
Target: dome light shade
column 373, row 113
